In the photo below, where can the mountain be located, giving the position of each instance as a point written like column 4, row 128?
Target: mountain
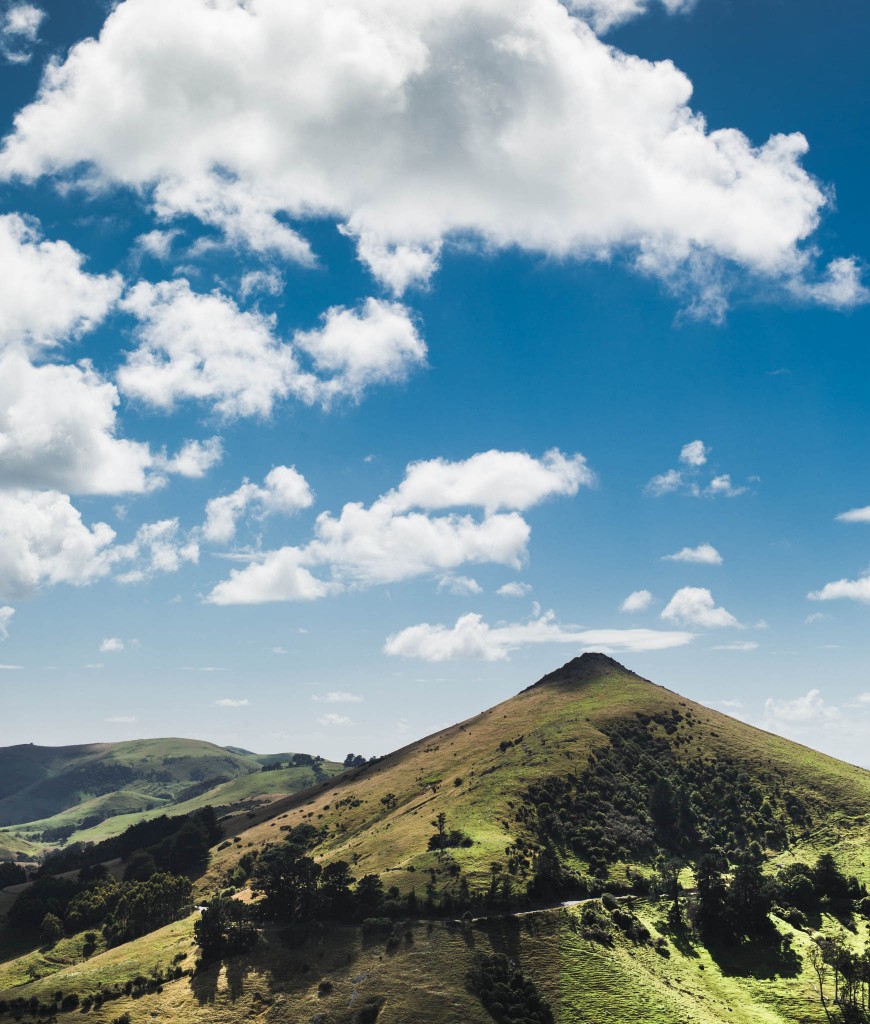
column 591, row 781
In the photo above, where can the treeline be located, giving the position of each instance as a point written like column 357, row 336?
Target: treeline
column 313, row 761
column 54, row 907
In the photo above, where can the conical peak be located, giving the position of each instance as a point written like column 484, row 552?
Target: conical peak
column 590, row 665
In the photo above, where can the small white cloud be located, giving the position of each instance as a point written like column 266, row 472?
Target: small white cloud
column 514, row 589
column 721, row 486
column 637, row 601
column 851, row 590
column 195, row 458
column 459, row 585
column 230, row 702
column 331, row 719
column 122, row 719
column 94, row 664
column 840, row 287
column 269, row 282
column 738, row 645
column 284, row 491
column 280, row 650
column 694, row 606
column 6, row 614
column 816, row 617
column 694, row 453
column 806, row 709
column 855, row 515
column 10, row 668
column 111, row 644
column 665, row 483
column 157, row 243
column 338, row 697
column 703, row 554
column 735, row 704
column 19, row 32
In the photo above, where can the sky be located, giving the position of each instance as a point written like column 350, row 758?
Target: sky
column 363, row 361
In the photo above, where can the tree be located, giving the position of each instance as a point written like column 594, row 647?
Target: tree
column 11, row 874
column 51, row 930
column 369, row 895
column 354, row 761
column 288, row 882
column 224, row 929
column 749, row 902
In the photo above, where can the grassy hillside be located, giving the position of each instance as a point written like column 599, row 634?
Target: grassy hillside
column 521, row 782
column 477, row 774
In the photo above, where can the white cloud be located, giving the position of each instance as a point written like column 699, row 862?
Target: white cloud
column 390, row 541
column 332, row 720
column 852, row 590
column 45, row 296
column 6, row 614
column 376, row 344
column 721, row 486
column 268, row 282
column 195, row 458
column 19, row 31
column 111, row 644
column 473, row 639
column 606, row 14
column 199, row 346
column 703, row 554
column 59, row 430
column 815, row 617
column 157, row 243
column 810, row 708
column 229, row 702
column 855, row 515
column 694, row 453
column 665, row 483
column 514, row 589
column 738, row 645
column 693, row 456
column 637, row 601
column 44, row 541
column 122, row 719
column 338, row 697
column 202, row 346
column 284, row 492
column 840, row 287
column 159, row 547
column 492, row 480
column 503, row 121
column 459, row 585
column 694, row 606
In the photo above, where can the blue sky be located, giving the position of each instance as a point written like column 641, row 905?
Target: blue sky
column 320, row 325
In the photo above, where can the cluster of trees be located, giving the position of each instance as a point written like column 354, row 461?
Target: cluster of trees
column 314, row 761
column 638, row 799
column 355, row 761
column 843, row 979
column 53, row 907
column 444, row 838
column 507, row 995
column 11, row 873
column 178, row 844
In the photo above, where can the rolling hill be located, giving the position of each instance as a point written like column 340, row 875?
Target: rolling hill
column 587, row 782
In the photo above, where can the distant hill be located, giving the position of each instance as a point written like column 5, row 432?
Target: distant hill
column 48, row 794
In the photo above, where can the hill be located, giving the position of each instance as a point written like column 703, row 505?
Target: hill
column 51, row 795
column 640, row 808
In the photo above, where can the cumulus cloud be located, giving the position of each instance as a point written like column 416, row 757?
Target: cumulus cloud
column 355, row 348
column 703, row 554
column 637, row 601
column 721, row 486
column 504, row 121
column 473, row 639
column 694, row 453
column 160, row 547
column 852, row 590
column 284, row 491
column 397, row 537
column 230, row 702
column 45, row 296
column 203, row 347
column 855, row 515
column 514, row 589
column 19, row 32
column 6, row 614
column 195, row 458
column 840, row 287
column 694, row 606
column 157, row 243
column 111, row 644
column 44, row 541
